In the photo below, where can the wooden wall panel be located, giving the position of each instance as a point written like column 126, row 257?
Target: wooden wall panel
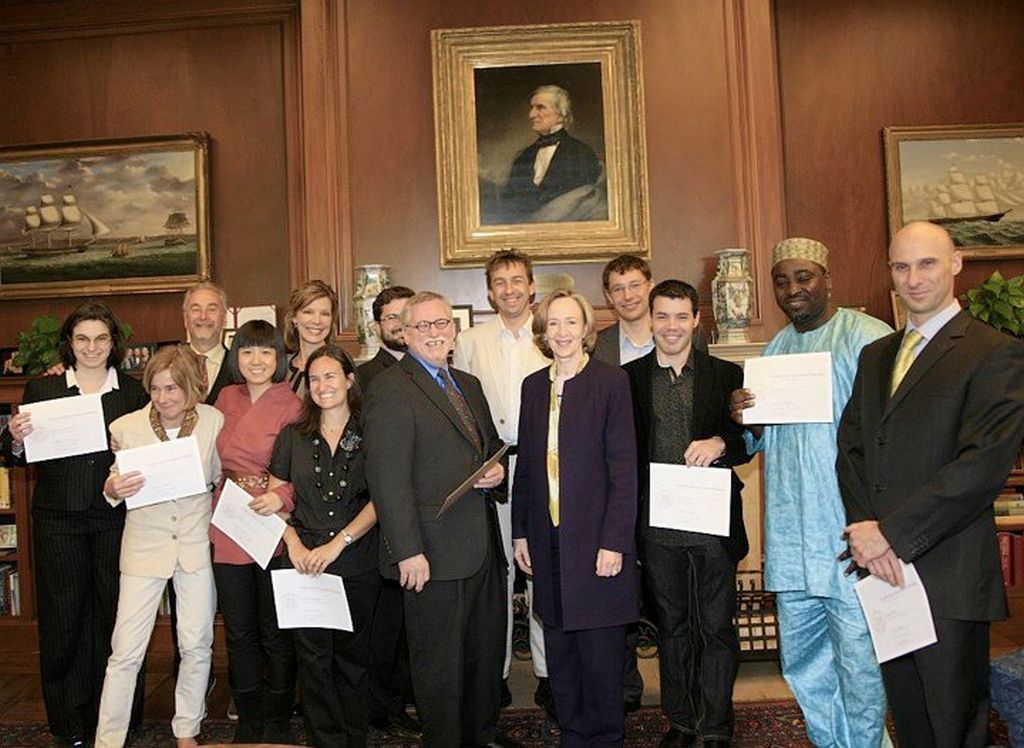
column 391, row 133
column 224, row 77
column 849, row 69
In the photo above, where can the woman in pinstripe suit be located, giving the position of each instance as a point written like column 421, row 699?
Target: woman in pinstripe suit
column 76, row 533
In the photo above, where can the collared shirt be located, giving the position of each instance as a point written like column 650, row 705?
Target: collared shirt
column 542, row 160
column 519, row 358
column 930, row 328
column 110, row 384
column 630, row 352
column 671, row 434
column 214, row 359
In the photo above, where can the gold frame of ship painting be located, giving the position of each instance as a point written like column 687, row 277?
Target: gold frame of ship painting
column 56, row 191
column 605, row 59
column 966, row 178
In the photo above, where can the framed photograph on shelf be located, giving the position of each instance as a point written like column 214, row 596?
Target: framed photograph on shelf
column 540, row 142
column 463, row 316
column 104, row 216
column 899, row 312
column 968, row 179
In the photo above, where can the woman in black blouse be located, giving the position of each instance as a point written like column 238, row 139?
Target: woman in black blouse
column 75, row 532
column 333, row 531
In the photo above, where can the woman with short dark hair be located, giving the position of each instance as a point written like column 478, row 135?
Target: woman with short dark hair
column 332, row 530
column 75, row 533
column 261, row 657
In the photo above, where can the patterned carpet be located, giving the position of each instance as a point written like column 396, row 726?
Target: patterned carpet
column 764, row 725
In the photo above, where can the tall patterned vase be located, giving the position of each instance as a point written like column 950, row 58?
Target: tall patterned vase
column 370, row 281
column 732, row 293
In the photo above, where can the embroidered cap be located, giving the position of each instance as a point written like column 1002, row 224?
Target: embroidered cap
column 800, row 248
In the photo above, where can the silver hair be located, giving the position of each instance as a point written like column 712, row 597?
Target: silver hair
column 563, row 102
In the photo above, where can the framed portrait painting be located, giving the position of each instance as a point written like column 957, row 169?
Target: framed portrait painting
column 540, row 142
column 968, row 179
column 104, row 216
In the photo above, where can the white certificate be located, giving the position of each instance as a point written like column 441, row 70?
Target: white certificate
column 172, row 470
column 64, row 427
column 304, row 601
column 697, row 499
column 257, row 535
column 899, row 618
column 789, row 389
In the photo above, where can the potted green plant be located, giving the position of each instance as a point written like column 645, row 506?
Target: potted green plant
column 37, row 347
column 999, row 302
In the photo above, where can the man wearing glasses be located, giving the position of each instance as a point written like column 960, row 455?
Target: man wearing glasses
column 427, row 429
column 627, row 282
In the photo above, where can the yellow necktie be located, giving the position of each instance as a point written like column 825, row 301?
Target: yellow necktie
column 904, row 358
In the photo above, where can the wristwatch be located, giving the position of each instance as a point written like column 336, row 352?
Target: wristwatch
column 349, row 540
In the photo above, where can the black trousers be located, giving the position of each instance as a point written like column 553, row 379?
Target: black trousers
column 585, row 670
column 456, row 633
column 693, row 591
column 260, row 655
column 333, row 669
column 77, row 572
column 390, row 682
column 939, row 695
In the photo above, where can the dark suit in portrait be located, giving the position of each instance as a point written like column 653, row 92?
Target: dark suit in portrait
column 418, row 451
column 574, row 164
column 927, row 464
column 690, row 577
column 581, row 611
column 76, row 537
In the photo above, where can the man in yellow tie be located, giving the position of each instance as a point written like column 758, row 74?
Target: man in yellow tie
column 925, row 443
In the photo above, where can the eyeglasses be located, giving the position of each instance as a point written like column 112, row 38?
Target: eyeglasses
column 634, row 287
column 437, row 324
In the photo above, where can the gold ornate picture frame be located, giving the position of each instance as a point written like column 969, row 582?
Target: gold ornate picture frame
column 484, row 79
column 968, row 179
column 101, row 217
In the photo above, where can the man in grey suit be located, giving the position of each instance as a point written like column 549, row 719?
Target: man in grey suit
column 925, row 444
column 428, row 428
column 627, row 282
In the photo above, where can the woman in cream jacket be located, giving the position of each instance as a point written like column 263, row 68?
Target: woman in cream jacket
column 169, row 540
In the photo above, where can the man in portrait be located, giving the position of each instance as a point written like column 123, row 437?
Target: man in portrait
column 557, row 177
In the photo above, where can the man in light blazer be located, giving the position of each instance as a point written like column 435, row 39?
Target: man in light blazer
column 925, row 444
column 427, row 429
column 501, row 353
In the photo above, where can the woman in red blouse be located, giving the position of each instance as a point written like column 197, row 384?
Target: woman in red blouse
column 261, row 657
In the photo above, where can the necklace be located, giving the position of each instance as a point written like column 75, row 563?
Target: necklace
column 349, row 444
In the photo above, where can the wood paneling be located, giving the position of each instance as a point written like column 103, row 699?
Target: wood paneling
column 108, row 70
column 849, row 69
column 691, row 155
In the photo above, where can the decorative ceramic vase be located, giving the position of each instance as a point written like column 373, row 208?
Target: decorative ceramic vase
column 370, row 281
column 732, row 292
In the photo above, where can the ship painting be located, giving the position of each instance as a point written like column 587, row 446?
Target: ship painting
column 981, row 198
column 74, row 228
column 175, row 224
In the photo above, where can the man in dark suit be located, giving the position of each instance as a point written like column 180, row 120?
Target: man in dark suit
column 387, row 318
column 925, row 444
column 389, row 653
column 427, row 429
column 205, row 311
column 681, row 409
column 553, row 164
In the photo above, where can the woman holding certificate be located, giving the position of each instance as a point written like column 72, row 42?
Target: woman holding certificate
column 574, row 517
column 261, row 657
column 333, row 531
column 75, row 533
column 312, row 321
column 165, row 540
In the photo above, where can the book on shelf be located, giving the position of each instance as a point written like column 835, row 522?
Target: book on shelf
column 1006, row 556
column 8, row 537
column 7, row 589
column 5, row 488
column 15, row 590
column 1009, row 505
column 1017, row 558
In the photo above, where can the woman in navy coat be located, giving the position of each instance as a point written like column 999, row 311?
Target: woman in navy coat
column 574, row 517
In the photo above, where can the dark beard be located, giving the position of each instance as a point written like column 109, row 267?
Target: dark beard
column 395, row 344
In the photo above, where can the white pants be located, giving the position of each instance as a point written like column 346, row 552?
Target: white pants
column 540, row 665
column 137, row 607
